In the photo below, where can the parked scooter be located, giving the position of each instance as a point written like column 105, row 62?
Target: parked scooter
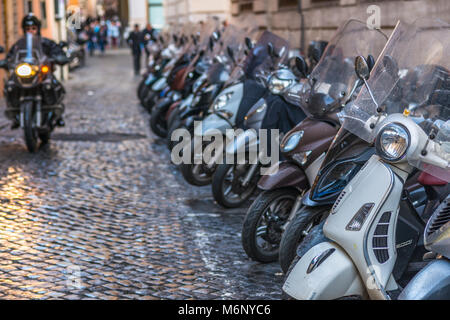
column 330, row 85
column 433, row 281
column 227, row 53
column 233, row 184
column 372, row 240
column 228, row 110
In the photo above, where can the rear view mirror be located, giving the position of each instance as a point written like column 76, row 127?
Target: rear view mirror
column 175, row 38
column 2, row 49
column 280, row 53
column 249, row 43
column 362, row 68
column 211, row 43
column 63, row 44
column 270, row 49
column 302, row 66
column 230, row 53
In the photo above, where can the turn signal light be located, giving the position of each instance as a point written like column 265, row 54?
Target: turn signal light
column 45, row 69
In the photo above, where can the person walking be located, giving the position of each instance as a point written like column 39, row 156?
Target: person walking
column 115, row 34
column 149, row 35
column 135, row 42
column 103, row 38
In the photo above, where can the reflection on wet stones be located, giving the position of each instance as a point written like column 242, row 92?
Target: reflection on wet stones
column 102, row 220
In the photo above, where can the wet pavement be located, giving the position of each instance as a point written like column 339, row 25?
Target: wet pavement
column 100, row 213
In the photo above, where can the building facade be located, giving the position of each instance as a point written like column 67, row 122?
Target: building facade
column 180, row 11
column 301, row 21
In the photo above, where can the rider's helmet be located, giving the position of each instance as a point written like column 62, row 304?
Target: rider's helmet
column 31, row 20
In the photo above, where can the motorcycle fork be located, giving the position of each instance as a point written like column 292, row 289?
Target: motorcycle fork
column 295, row 208
column 251, row 172
column 38, row 111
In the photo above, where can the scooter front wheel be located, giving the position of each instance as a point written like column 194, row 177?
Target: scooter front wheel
column 30, row 131
column 264, row 222
column 227, row 187
column 296, row 231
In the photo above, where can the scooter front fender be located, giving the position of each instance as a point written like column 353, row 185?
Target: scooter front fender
column 431, row 283
column 325, row 272
column 286, row 174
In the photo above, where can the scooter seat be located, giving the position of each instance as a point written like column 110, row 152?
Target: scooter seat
column 427, row 179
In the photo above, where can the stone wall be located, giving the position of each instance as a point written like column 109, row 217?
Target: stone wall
column 179, row 11
column 323, row 17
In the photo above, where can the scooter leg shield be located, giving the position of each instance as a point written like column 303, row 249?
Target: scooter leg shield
column 325, row 272
column 285, row 174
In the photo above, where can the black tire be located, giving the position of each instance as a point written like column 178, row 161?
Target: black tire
column 150, row 100
column 304, row 221
column 220, row 192
column 140, row 88
column 45, row 137
column 197, row 174
column 176, row 124
column 254, row 229
column 30, row 132
column 158, row 122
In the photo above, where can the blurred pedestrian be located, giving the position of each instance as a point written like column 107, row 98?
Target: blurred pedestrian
column 102, row 38
column 115, row 34
column 148, row 35
column 92, row 40
column 135, row 42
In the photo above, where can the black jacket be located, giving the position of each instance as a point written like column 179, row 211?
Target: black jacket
column 134, row 41
column 50, row 48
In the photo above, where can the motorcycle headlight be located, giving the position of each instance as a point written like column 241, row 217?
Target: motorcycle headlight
column 276, row 85
column 392, row 142
column 292, row 142
column 222, row 101
column 25, row 70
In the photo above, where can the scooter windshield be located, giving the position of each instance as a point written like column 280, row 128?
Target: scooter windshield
column 334, row 77
column 411, row 76
column 259, row 62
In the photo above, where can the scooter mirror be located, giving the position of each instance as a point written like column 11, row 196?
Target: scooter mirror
column 175, row 38
column 370, row 61
column 362, row 68
column 270, row 49
column 301, row 65
column 211, row 43
column 280, row 53
column 63, row 44
column 248, row 43
column 2, row 49
column 230, row 54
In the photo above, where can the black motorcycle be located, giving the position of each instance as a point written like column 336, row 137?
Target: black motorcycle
column 33, row 95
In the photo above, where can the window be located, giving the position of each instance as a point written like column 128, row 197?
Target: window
column 43, row 14
column 244, row 5
column 156, row 13
column 287, row 3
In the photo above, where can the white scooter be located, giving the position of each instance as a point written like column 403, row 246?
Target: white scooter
column 404, row 109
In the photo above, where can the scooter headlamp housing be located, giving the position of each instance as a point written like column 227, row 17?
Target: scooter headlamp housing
column 393, row 142
column 291, row 142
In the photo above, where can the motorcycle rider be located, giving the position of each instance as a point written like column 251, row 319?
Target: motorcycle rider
column 32, row 25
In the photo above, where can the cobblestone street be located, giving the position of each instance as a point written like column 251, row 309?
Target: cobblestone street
column 101, row 213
